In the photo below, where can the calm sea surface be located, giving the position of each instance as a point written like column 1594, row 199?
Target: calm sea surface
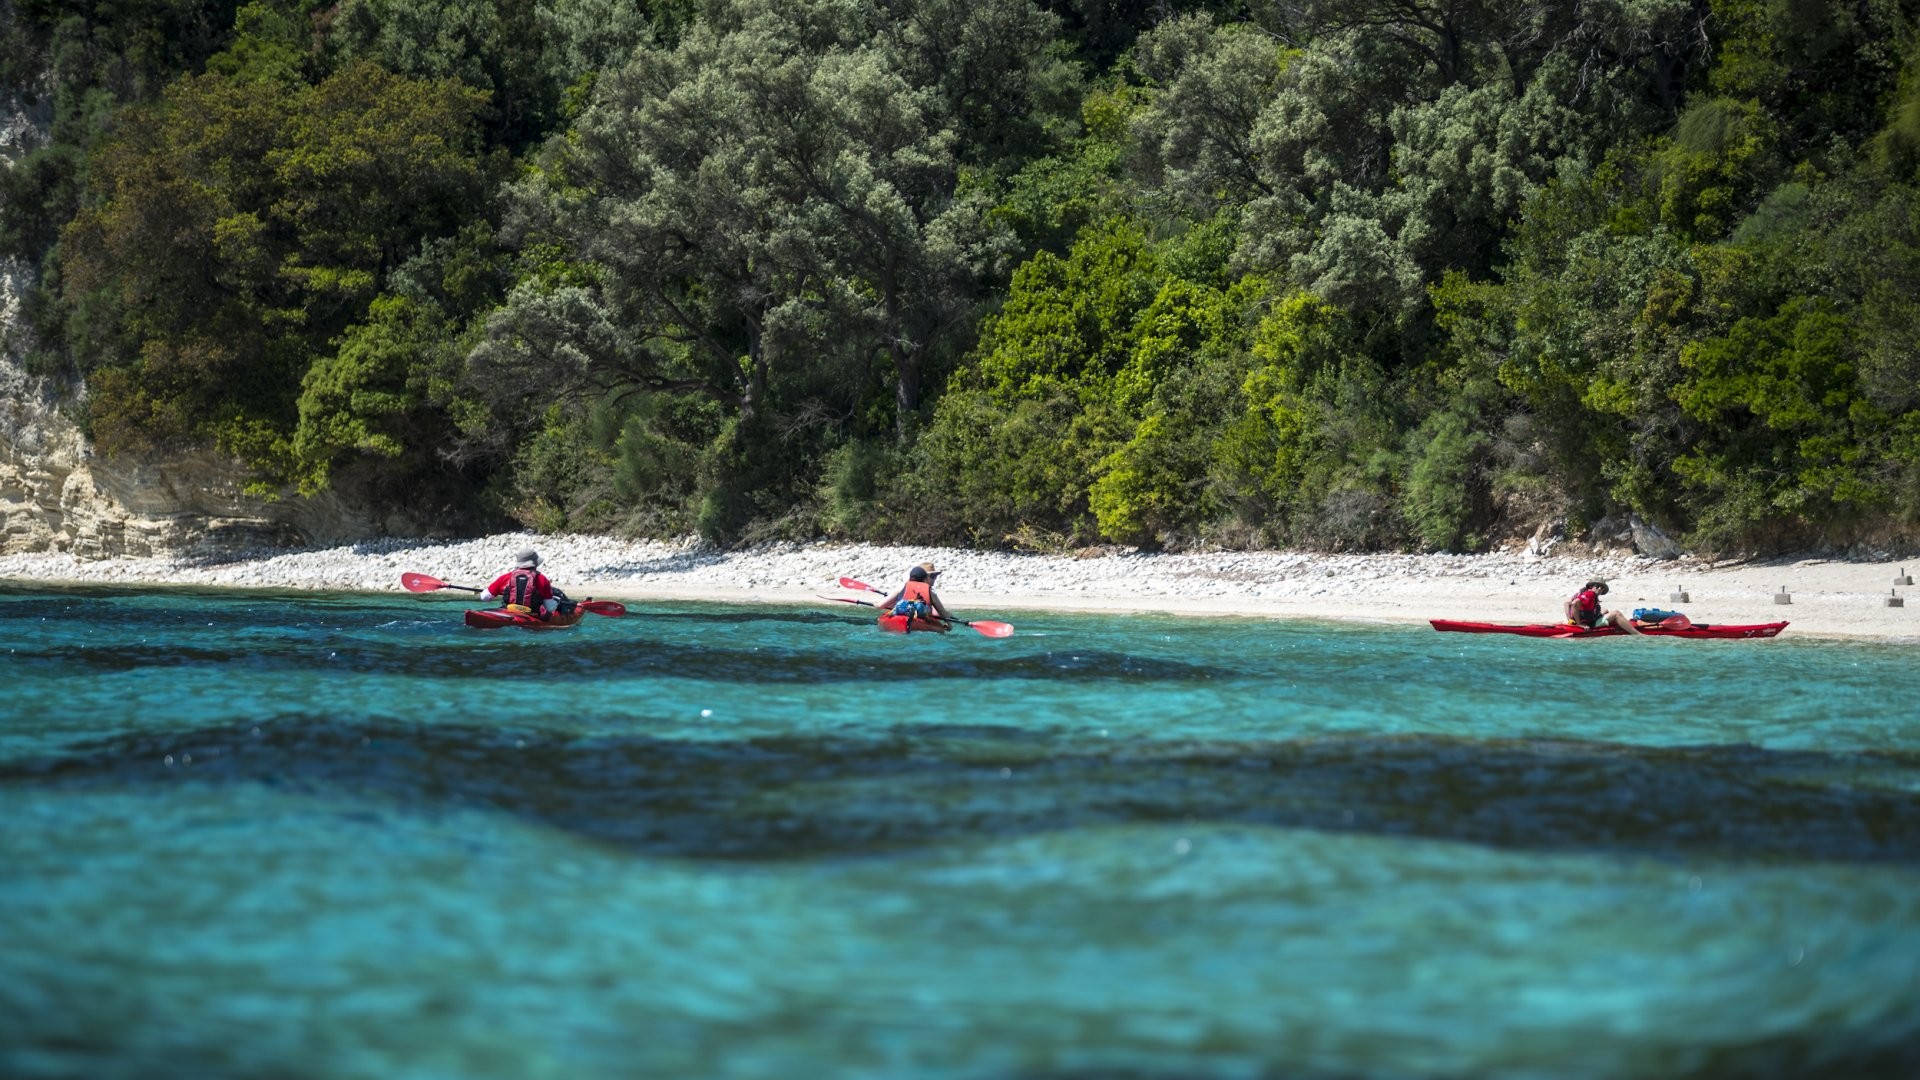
column 292, row 836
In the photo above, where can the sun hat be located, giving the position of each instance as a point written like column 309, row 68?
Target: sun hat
column 1597, row 585
column 527, row 558
column 928, row 567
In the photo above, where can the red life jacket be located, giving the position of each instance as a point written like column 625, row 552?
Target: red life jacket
column 1583, row 609
column 916, row 602
column 527, row 589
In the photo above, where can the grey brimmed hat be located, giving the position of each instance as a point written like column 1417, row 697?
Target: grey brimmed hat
column 527, row 558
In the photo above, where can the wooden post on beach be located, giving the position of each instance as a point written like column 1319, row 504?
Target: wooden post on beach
column 1895, row 600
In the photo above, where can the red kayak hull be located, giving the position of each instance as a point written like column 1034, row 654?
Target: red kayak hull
column 1564, row 630
column 498, row 619
column 900, row 624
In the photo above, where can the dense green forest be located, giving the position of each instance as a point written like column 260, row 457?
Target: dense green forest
column 1391, row 274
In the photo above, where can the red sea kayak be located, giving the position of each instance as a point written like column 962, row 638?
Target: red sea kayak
column 499, row 618
column 901, row 624
column 1563, row 630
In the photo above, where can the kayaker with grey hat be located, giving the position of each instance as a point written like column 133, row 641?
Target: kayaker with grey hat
column 524, row 588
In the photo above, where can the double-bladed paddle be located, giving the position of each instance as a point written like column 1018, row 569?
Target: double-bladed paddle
column 984, row 627
column 413, row 582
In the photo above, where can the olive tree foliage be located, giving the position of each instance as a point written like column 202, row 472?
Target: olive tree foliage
column 525, row 56
column 1396, row 140
column 1212, row 85
column 773, row 192
column 1004, row 85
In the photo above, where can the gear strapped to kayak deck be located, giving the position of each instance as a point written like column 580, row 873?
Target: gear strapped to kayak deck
column 915, row 624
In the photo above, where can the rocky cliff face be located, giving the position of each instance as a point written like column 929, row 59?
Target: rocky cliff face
column 57, row 495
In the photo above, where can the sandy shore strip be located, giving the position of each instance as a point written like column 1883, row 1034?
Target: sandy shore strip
column 1828, row 598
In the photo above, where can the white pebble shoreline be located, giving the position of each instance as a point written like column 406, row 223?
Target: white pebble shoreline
column 1828, row 597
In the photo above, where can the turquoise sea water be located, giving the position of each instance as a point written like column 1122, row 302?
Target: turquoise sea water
column 290, row 836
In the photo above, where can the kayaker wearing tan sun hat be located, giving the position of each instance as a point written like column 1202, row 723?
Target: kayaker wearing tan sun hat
column 1583, row 609
column 917, row 596
column 525, row 588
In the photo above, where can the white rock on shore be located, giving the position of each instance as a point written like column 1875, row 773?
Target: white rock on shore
column 1829, row 598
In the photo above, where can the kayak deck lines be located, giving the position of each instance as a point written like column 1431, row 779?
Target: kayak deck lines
column 498, row 618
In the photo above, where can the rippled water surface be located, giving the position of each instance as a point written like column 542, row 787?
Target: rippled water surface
column 247, row 835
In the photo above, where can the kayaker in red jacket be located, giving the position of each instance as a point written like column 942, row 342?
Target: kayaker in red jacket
column 917, row 590
column 1583, row 609
column 524, row 588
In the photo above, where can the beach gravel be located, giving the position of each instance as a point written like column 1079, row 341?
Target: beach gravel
column 1827, row 597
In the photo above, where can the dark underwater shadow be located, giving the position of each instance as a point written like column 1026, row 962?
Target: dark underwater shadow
column 911, row 785
column 752, row 615
column 586, row 657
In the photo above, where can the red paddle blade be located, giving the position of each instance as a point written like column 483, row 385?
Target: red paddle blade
column 1676, row 622
column 849, row 583
column 989, row 628
column 604, row 607
column 420, row 582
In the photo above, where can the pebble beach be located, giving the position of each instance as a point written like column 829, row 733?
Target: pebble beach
column 1820, row 597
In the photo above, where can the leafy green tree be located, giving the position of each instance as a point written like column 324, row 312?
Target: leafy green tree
column 1395, row 141
column 1710, row 174
column 129, row 49
column 1131, row 366
column 1181, row 383
column 76, row 62
column 388, row 391
column 1307, row 457
column 1446, row 480
column 1787, row 433
column 1212, row 86
column 1067, row 324
column 1053, row 197
column 1822, row 70
column 235, row 227
column 767, row 212
column 522, row 56
column 1008, row 92
column 1019, row 437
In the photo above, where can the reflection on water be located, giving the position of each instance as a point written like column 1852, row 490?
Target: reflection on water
column 340, row 836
